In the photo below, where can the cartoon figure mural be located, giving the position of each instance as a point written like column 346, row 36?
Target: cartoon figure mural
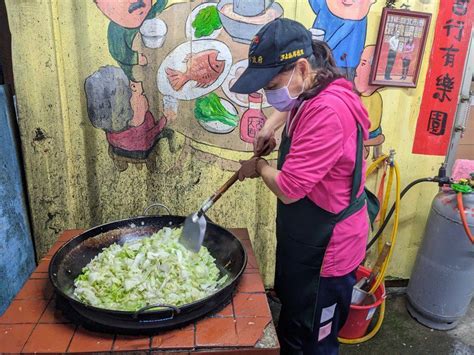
column 174, row 76
column 372, row 100
column 343, row 25
column 126, row 17
column 116, row 100
column 194, row 66
column 121, row 110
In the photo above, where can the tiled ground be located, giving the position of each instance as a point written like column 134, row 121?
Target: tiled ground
column 33, row 324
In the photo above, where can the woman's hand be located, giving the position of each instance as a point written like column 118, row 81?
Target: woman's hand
column 249, row 168
column 264, row 142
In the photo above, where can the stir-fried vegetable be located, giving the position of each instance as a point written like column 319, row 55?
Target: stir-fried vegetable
column 210, row 108
column 153, row 270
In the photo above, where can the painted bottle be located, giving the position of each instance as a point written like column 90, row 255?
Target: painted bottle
column 253, row 119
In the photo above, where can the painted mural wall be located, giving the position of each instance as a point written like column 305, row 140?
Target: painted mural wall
column 166, row 73
column 126, row 103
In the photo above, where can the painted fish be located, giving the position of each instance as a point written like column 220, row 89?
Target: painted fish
column 202, row 67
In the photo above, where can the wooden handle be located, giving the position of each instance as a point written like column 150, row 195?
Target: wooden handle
column 218, row 194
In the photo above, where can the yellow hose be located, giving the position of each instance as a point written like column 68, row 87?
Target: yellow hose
column 383, row 212
column 393, row 239
column 375, row 164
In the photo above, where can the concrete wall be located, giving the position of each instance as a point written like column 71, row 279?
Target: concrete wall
column 73, row 182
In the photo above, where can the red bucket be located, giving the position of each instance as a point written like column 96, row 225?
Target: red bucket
column 360, row 316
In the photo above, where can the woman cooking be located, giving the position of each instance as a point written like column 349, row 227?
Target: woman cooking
column 322, row 222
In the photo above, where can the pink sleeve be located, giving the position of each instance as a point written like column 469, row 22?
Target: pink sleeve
column 316, row 146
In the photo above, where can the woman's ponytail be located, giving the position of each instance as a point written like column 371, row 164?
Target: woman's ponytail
column 323, row 66
column 322, row 61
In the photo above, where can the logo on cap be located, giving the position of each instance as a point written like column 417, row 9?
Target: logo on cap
column 256, row 40
column 291, row 55
column 256, row 59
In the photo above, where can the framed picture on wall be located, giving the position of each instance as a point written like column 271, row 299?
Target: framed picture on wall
column 400, row 47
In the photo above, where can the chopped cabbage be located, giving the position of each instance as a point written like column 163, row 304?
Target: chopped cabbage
column 152, row 270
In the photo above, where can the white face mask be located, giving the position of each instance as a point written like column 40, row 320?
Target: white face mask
column 281, row 98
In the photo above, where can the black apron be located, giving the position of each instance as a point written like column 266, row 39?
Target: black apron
column 303, row 233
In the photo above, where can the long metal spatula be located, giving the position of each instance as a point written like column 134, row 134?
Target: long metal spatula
column 195, row 224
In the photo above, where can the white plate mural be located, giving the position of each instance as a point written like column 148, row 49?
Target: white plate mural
column 194, row 70
column 239, row 99
column 212, row 23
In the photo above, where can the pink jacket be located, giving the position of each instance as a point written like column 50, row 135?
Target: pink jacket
column 320, row 165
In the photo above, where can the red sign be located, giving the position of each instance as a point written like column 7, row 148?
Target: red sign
column 443, row 81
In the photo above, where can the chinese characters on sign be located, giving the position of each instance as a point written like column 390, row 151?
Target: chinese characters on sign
column 458, row 26
column 408, row 27
column 448, row 54
column 444, row 85
column 437, row 123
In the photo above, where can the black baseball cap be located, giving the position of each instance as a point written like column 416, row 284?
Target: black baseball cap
column 278, row 43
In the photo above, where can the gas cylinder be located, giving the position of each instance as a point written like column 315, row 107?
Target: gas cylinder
column 442, row 282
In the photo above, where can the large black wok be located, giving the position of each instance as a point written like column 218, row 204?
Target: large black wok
column 68, row 262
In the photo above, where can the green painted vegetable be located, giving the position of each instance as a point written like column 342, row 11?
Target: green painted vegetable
column 153, row 270
column 210, row 108
column 207, row 21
